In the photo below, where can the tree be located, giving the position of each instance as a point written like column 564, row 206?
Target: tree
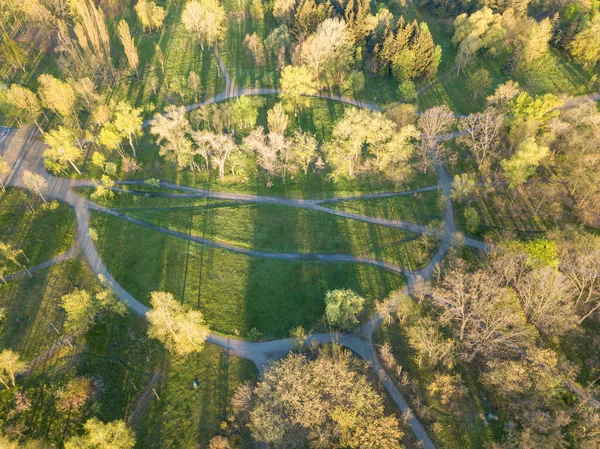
column 487, row 319
column 283, row 10
column 547, row 298
column 56, row 95
column 479, row 83
column 128, row 122
column 342, row 308
column 482, row 133
column 331, row 40
column 12, row 254
column 83, row 309
column 204, row 19
column 481, row 30
column 360, row 136
column 433, row 122
column 296, row 83
column 215, row 147
column 304, row 149
column 433, row 348
column 268, row 148
column 10, row 365
column 320, row 403
column 172, row 131
column 256, row 49
column 218, row 442
column 579, row 256
column 585, row 48
column 151, row 16
column 99, row 435
column 503, row 95
column 277, row 119
column 4, row 169
column 12, row 52
column 75, row 394
column 36, row 183
column 257, row 11
column 63, row 148
column 22, row 104
column 182, row 331
column 524, row 162
column 128, row 45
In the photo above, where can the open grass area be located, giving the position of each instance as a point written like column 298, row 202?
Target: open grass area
column 235, row 292
column 464, row 430
column 286, row 229
column 187, row 416
column 421, row 208
column 46, row 232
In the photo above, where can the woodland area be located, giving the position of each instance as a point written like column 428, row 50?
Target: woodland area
column 300, row 224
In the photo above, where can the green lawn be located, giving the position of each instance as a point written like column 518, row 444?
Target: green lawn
column 421, row 208
column 42, row 234
column 235, row 292
column 188, row 417
column 286, row 229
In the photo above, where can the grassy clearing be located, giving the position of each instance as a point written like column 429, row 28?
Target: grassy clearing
column 286, row 229
column 185, row 416
column 421, row 208
column 42, row 234
column 236, row 293
column 464, row 431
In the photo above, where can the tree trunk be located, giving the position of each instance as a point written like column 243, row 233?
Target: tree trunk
column 74, row 166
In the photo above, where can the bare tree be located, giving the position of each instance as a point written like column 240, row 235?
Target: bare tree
column 482, row 131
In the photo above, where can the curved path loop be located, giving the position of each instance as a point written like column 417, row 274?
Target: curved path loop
column 23, row 151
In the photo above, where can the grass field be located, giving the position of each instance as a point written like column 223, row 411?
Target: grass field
column 286, row 229
column 421, row 208
column 235, row 292
column 187, row 416
column 46, row 232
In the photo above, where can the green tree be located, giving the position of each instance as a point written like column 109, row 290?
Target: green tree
column 10, row 365
column 63, row 149
column 585, row 48
column 479, row 83
column 204, row 20
column 172, row 130
column 320, row 403
column 83, row 308
column 523, row 164
column 22, row 104
column 150, row 15
column 12, row 52
column 56, row 95
column 296, row 84
column 182, row 331
column 342, row 308
column 128, row 122
column 99, row 435
column 128, row 46
column 4, row 169
column 472, row 219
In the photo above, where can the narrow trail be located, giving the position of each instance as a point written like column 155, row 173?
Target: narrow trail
column 69, row 254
